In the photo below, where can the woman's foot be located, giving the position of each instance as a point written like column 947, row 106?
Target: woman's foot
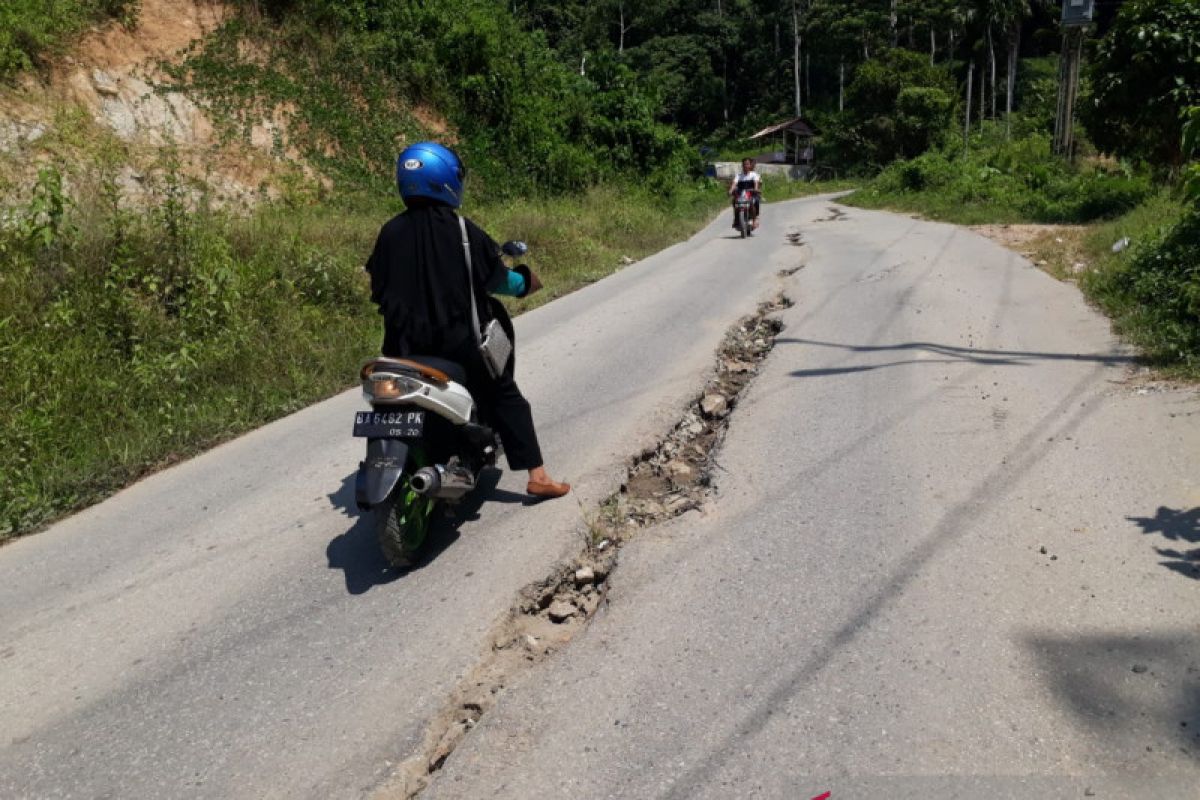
column 542, row 485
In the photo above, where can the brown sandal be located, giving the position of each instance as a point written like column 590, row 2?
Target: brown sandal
column 547, row 489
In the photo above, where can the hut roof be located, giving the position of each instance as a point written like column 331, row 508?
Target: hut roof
column 797, row 125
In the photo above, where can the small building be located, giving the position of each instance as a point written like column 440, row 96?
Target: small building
column 791, row 158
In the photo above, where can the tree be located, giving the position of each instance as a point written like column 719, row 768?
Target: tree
column 899, row 105
column 1146, row 71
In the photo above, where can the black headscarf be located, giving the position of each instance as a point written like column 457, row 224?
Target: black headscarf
column 419, row 281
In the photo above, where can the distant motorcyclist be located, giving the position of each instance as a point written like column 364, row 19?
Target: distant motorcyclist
column 419, row 282
column 747, row 180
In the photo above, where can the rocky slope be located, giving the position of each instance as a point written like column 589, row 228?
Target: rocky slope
column 111, row 103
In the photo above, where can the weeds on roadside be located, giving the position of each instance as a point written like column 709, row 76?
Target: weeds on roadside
column 999, row 181
column 135, row 337
column 1152, row 291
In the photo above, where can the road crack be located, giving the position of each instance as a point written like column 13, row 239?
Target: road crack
column 662, row 482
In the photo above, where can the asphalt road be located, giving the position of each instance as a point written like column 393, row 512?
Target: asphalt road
column 952, row 555
column 227, row 628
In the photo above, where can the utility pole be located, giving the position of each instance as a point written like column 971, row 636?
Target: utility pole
column 1077, row 14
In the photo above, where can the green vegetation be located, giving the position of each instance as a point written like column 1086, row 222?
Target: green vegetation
column 1005, row 181
column 133, row 339
column 900, row 106
column 1145, row 71
column 1152, row 289
column 29, row 29
column 353, row 73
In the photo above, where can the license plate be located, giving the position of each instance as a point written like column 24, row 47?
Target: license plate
column 389, row 424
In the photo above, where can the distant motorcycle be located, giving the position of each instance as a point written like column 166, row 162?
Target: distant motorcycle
column 427, row 443
column 743, row 202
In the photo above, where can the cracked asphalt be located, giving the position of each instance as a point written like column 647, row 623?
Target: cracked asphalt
column 952, row 555
column 228, row 628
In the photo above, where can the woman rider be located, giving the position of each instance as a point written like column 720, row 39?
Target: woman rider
column 418, row 281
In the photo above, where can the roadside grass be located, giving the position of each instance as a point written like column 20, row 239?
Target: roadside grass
column 1003, row 181
column 1151, row 288
column 134, row 339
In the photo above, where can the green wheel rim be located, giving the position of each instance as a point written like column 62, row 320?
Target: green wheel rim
column 414, row 510
column 414, row 513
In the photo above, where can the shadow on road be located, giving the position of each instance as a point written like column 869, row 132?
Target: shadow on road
column 356, row 552
column 951, row 355
column 1132, row 692
column 1177, row 526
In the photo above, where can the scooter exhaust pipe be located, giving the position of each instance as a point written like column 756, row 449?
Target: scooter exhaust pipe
column 426, row 481
column 441, row 482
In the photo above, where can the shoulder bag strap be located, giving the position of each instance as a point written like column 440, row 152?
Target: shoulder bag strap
column 462, row 225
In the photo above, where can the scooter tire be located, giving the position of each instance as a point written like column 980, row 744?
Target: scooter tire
column 402, row 524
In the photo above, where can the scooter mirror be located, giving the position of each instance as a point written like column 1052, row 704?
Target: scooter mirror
column 514, row 249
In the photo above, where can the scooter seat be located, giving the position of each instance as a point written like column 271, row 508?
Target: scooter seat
column 451, row 368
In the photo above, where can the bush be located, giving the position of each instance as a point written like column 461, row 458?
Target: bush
column 1153, row 292
column 929, row 171
column 1145, row 72
column 1005, row 182
column 30, row 28
column 922, row 116
column 1086, row 197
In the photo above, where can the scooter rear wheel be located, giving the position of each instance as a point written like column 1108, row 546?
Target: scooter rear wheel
column 403, row 524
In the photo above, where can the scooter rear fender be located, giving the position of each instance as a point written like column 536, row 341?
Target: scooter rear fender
column 379, row 473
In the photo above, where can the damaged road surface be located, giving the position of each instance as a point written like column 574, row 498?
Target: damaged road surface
column 663, row 482
column 950, row 554
column 228, row 627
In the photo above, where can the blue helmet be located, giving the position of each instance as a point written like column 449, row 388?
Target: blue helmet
column 432, row 171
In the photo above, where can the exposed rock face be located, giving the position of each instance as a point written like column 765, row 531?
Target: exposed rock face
column 115, row 78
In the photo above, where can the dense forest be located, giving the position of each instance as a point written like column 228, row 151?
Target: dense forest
column 578, row 88
column 586, row 124
column 577, row 91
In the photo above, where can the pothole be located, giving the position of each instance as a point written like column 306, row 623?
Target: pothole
column 663, row 482
column 835, row 215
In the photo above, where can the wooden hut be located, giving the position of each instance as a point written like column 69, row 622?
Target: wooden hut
column 794, row 140
column 791, row 157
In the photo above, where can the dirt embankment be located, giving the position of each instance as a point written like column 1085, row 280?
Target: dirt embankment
column 111, row 101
